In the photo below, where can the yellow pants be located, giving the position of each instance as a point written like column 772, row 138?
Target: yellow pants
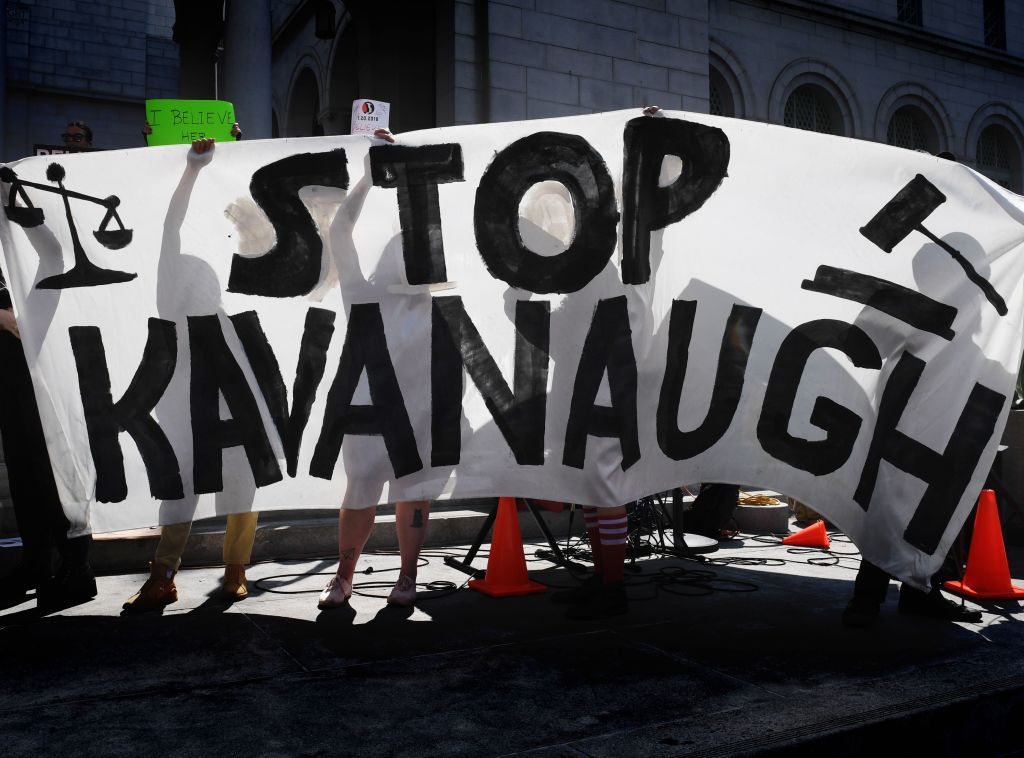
column 238, row 540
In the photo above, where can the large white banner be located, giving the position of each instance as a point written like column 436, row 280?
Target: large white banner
column 587, row 309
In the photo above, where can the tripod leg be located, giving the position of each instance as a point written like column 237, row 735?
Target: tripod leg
column 559, row 556
column 678, row 529
column 464, row 565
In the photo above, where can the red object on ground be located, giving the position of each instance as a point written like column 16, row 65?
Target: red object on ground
column 506, row 565
column 811, row 536
column 988, row 573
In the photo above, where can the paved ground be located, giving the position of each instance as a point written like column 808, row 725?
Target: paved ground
column 711, row 660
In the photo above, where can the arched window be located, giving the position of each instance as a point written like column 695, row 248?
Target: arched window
column 810, row 107
column 995, row 23
column 999, row 157
column 723, row 101
column 399, row 63
column 715, row 106
column 729, row 89
column 304, row 107
column 909, row 12
column 911, row 128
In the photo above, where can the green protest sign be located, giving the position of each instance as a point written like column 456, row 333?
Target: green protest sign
column 180, row 122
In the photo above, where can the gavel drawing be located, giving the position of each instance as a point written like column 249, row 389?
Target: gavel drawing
column 905, row 214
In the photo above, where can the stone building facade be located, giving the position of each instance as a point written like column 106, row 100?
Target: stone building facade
column 91, row 61
column 936, row 80
column 929, row 74
column 935, row 75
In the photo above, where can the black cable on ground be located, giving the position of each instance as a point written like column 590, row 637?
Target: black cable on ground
column 442, row 586
column 649, row 524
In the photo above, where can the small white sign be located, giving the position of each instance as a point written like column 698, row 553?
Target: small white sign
column 369, row 115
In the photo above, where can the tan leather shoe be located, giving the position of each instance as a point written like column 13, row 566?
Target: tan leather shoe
column 335, row 594
column 404, row 592
column 157, row 591
column 234, row 582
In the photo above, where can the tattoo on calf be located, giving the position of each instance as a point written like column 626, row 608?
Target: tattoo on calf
column 417, row 518
column 348, row 554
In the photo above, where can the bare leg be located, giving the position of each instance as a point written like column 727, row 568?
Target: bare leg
column 411, row 522
column 354, row 527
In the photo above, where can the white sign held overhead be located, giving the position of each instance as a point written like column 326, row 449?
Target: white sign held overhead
column 369, row 115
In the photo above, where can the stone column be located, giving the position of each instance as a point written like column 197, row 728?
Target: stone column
column 6, row 510
column 3, row 78
column 197, row 29
column 247, row 83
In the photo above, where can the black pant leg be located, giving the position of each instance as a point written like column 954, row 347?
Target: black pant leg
column 712, row 509
column 871, row 584
column 37, row 507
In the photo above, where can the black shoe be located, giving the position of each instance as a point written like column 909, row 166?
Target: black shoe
column 609, row 600
column 16, row 585
column 73, row 584
column 860, row 613
column 935, row 605
column 574, row 595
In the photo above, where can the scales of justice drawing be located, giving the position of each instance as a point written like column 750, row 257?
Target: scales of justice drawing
column 84, row 273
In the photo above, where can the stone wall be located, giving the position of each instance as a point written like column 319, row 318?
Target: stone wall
column 91, row 61
column 873, row 65
column 549, row 58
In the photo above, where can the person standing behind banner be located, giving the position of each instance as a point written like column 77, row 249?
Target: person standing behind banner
column 236, row 132
column 77, row 136
column 872, row 583
column 603, row 594
column 37, row 507
column 159, row 589
column 355, row 525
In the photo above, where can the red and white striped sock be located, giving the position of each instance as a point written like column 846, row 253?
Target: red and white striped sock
column 613, row 546
column 594, row 535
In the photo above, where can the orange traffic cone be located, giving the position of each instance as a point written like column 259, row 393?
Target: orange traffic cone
column 988, row 573
column 811, row 536
column 506, row 566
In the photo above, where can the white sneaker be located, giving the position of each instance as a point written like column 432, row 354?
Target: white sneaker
column 404, row 592
column 335, row 594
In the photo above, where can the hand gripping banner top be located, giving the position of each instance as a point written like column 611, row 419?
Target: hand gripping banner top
column 588, row 309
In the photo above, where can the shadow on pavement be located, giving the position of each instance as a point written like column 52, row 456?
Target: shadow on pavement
column 471, row 675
